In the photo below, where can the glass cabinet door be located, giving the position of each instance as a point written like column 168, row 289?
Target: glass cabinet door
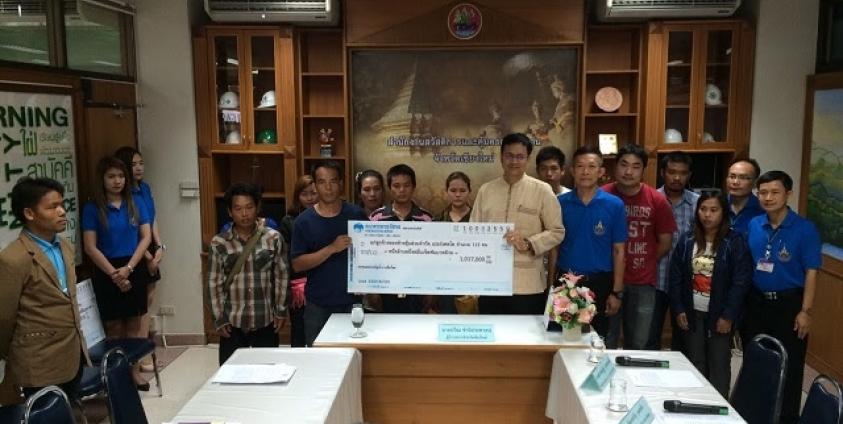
column 263, row 75
column 717, row 77
column 679, row 66
column 226, row 77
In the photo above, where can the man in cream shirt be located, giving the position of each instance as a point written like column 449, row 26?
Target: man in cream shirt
column 531, row 205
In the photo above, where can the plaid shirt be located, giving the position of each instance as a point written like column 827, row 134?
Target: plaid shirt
column 257, row 293
column 683, row 212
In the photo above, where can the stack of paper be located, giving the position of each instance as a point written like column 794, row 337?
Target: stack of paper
column 254, row 373
column 663, row 378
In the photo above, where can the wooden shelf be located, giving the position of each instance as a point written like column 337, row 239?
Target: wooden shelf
column 679, row 65
column 611, row 71
column 610, row 115
column 719, row 64
column 265, row 109
column 677, row 107
column 248, row 152
column 263, row 68
column 720, row 106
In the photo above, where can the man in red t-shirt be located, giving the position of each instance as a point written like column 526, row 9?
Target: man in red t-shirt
column 650, row 225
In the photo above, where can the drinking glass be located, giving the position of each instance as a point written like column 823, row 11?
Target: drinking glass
column 357, row 317
column 617, row 395
column 598, row 348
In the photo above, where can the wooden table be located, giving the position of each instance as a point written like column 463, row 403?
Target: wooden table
column 411, row 377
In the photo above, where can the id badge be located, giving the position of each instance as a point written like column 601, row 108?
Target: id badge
column 764, row 265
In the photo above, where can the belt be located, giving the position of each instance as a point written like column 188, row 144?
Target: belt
column 778, row 295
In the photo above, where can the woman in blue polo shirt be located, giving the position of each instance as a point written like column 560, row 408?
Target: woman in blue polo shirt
column 710, row 273
column 115, row 233
column 133, row 160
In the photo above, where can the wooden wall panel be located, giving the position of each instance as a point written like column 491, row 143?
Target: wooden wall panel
column 825, row 346
column 424, row 23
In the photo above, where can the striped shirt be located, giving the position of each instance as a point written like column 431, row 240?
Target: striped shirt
column 683, row 212
column 257, row 293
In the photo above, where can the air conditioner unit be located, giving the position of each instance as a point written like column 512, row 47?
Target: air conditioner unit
column 620, row 10
column 325, row 12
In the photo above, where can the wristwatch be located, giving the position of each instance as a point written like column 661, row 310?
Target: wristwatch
column 618, row 294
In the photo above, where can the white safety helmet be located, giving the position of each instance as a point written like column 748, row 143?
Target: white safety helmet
column 233, row 137
column 672, row 136
column 713, row 96
column 267, row 100
column 229, row 100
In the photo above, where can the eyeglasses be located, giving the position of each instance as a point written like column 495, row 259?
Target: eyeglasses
column 742, row 177
column 510, row 157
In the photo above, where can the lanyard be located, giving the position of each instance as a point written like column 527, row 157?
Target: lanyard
column 770, row 239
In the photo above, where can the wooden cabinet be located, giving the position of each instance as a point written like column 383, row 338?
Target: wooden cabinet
column 323, row 100
column 246, row 109
column 699, row 86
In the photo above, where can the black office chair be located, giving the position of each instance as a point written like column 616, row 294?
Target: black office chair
column 823, row 406
column 124, row 404
column 48, row 406
column 90, row 386
column 135, row 349
column 12, row 414
column 757, row 394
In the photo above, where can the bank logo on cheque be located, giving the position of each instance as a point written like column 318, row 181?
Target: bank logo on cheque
column 358, row 228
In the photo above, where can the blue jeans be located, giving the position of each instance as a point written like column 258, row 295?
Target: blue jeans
column 639, row 302
column 316, row 316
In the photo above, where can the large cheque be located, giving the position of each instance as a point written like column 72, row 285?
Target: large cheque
column 429, row 258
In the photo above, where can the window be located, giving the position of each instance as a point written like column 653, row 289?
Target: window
column 95, row 36
column 24, row 36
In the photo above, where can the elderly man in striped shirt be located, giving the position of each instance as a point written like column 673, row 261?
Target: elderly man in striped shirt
column 248, row 275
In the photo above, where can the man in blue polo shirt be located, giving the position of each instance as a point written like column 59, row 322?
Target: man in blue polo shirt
column 786, row 251
column 320, row 248
column 594, row 243
column 743, row 205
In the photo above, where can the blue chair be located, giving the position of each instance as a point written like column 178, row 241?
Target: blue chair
column 124, row 404
column 135, row 350
column 48, row 406
column 11, row 414
column 757, row 394
column 90, row 386
column 823, row 406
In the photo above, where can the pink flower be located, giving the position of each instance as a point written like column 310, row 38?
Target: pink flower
column 560, row 303
column 585, row 316
column 570, row 276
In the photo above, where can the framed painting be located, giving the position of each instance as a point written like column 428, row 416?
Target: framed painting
column 821, row 194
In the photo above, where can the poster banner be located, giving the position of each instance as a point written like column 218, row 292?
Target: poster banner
column 429, row 258
column 37, row 140
column 440, row 111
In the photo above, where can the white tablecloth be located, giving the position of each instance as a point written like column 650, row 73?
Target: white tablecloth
column 567, row 403
column 324, row 389
column 423, row 329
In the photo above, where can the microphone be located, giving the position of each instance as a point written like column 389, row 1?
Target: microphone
column 627, row 361
column 694, row 408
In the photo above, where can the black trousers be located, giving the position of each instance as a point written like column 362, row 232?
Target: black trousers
column 518, row 304
column 775, row 318
column 297, row 338
column 662, row 308
column 261, row 337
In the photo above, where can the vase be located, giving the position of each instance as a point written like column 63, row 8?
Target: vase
column 573, row 334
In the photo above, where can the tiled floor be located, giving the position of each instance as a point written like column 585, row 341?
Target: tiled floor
column 191, row 369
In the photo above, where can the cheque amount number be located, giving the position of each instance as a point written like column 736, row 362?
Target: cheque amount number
column 476, row 259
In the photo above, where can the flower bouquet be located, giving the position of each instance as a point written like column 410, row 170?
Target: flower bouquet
column 569, row 306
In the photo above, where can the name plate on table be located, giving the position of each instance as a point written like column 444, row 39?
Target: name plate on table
column 600, row 375
column 466, row 333
column 640, row 413
column 469, row 258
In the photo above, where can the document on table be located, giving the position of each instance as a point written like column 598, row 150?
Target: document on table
column 470, row 258
column 663, row 378
column 673, row 418
column 254, row 373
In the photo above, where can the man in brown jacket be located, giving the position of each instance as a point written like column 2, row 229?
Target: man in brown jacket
column 41, row 338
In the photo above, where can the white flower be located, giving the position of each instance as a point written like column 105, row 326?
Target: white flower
column 573, row 308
